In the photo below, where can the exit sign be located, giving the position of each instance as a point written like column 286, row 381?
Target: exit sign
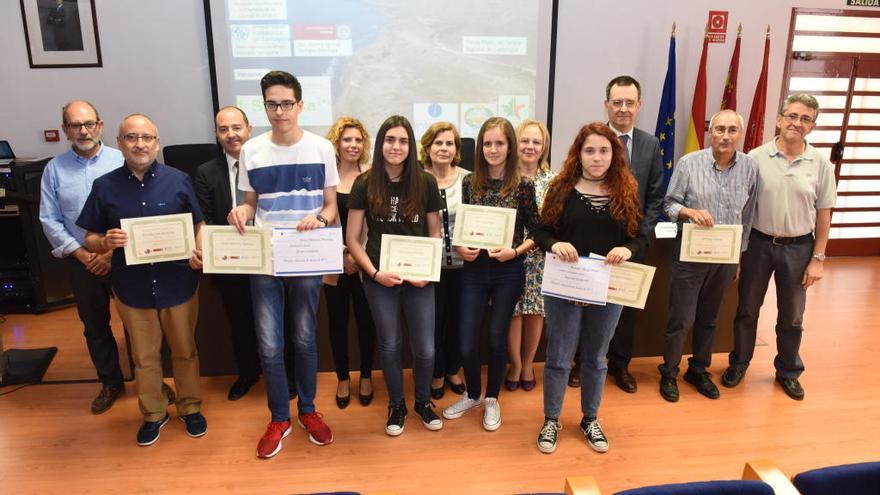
column 863, row 3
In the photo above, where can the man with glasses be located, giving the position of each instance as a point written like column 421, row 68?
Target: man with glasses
column 713, row 186
column 153, row 299
column 66, row 183
column 623, row 100
column 289, row 181
column 796, row 191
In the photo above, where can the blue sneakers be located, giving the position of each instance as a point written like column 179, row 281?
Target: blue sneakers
column 196, row 424
column 148, row 433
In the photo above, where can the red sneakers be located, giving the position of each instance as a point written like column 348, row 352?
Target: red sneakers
column 319, row 432
column 270, row 443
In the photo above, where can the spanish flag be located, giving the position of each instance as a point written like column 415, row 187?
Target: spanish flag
column 697, row 125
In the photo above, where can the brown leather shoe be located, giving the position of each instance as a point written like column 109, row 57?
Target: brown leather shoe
column 623, row 379
column 574, row 378
column 106, row 397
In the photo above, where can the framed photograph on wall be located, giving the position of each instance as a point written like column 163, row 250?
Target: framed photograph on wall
column 61, row 33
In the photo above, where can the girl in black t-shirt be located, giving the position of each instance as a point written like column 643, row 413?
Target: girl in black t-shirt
column 396, row 197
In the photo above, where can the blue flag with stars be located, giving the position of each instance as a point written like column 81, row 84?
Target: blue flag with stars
column 665, row 131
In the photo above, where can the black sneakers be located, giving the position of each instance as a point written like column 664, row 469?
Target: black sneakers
column 396, row 418
column 593, row 433
column 148, row 433
column 548, row 437
column 196, row 424
column 429, row 418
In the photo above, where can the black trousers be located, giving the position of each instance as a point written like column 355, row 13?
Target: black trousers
column 235, row 291
column 349, row 289
column 447, row 301
column 92, row 295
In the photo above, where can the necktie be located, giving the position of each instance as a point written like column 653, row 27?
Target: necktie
column 624, row 138
column 239, row 194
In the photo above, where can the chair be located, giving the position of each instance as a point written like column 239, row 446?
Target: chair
column 767, row 471
column 728, row 487
column 851, row 479
column 576, row 485
column 188, row 157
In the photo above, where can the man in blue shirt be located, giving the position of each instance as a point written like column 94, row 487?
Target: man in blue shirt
column 156, row 298
column 67, row 181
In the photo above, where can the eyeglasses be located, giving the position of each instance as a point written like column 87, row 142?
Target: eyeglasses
column 620, row 103
column 134, row 138
column 286, row 105
column 791, row 118
column 721, row 130
column 75, row 126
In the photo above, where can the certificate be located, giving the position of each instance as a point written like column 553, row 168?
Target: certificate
column 484, row 227
column 585, row 280
column 718, row 244
column 159, row 238
column 629, row 283
column 224, row 250
column 311, row 252
column 411, row 257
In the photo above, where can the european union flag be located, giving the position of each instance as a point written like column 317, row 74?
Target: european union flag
column 665, row 131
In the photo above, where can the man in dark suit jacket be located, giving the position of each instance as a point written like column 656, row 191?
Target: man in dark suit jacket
column 216, row 188
column 623, row 101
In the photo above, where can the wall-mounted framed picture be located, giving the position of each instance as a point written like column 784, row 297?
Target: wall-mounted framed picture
column 61, row 33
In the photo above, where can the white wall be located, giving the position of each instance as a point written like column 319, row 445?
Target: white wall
column 155, row 61
column 600, row 39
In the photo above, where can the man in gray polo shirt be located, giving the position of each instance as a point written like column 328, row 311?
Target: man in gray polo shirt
column 713, row 186
column 796, row 191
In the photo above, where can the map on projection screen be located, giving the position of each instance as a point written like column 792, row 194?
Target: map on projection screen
column 455, row 60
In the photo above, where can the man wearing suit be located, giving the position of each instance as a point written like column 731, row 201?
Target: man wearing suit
column 623, row 96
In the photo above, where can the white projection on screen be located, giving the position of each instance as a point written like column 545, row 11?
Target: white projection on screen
column 455, row 60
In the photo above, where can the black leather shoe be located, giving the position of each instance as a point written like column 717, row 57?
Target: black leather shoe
column 240, row 387
column 792, row 387
column 291, row 392
column 669, row 389
column 457, row 388
column 732, row 376
column 437, row 393
column 365, row 399
column 106, row 397
column 703, row 384
column 574, row 377
column 169, row 393
column 623, row 379
column 342, row 402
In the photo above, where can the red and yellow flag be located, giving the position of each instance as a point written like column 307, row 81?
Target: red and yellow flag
column 755, row 129
column 696, row 131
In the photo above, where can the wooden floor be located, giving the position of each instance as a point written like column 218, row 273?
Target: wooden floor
column 49, row 443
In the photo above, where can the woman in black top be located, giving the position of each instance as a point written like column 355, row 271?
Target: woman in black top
column 397, row 197
column 352, row 145
column 591, row 206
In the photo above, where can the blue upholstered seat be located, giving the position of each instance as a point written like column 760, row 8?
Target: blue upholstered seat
column 849, row 479
column 734, row 487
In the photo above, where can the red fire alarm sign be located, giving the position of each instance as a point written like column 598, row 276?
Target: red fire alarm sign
column 717, row 30
column 51, row 135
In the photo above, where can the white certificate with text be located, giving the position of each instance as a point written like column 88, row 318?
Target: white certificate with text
column 159, row 238
column 484, row 227
column 224, row 250
column 718, row 244
column 585, row 280
column 307, row 253
column 629, row 283
column 411, row 257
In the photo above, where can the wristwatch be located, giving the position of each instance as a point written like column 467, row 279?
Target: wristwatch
column 819, row 256
column 321, row 219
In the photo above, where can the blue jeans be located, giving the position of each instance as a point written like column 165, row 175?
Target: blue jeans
column 566, row 323
column 299, row 297
column 417, row 304
column 787, row 265
column 484, row 280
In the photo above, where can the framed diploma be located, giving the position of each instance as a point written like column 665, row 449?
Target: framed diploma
column 224, row 250
column 411, row 257
column 718, row 244
column 585, row 280
column 312, row 252
column 483, row 227
column 629, row 283
column 157, row 239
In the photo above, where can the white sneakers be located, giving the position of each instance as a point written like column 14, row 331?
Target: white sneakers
column 491, row 411
column 462, row 406
column 491, row 414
